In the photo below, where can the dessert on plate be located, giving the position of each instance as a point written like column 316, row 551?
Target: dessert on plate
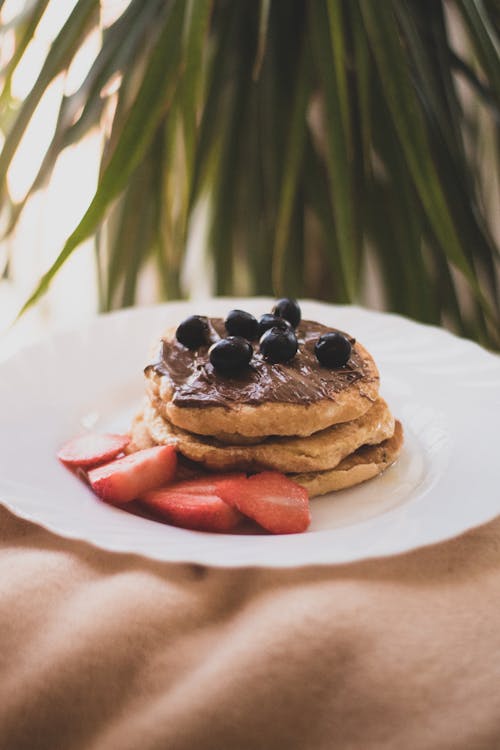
column 280, row 394
column 245, row 419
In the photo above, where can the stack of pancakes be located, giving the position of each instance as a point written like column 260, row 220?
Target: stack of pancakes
column 326, row 428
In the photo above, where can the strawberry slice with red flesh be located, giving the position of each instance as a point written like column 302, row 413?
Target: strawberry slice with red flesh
column 205, row 484
column 92, row 449
column 270, row 498
column 128, row 478
column 193, row 505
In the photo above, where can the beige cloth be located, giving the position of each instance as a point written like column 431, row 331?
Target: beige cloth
column 111, row 652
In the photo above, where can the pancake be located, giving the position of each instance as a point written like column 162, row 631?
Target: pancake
column 365, row 463
column 317, row 452
column 140, row 437
column 326, row 428
column 297, row 398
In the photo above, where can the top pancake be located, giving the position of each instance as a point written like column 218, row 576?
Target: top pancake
column 296, row 398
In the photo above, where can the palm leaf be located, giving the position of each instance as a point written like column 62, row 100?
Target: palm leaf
column 485, row 40
column 265, row 7
column 318, row 195
column 142, row 120
column 290, row 178
column 58, row 59
column 195, row 30
column 410, row 127
column 337, row 146
column 322, row 134
column 425, row 45
column 30, row 19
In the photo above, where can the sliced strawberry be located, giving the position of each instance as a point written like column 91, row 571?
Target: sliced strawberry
column 92, row 449
column 270, row 498
column 202, row 512
column 204, row 485
column 129, row 477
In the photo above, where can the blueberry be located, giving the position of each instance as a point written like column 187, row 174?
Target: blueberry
column 333, row 349
column 269, row 320
column 288, row 309
column 230, row 355
column 277, row 345
column 241, row 323
column 193, row 332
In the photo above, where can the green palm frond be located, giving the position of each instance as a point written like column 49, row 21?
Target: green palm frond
column 326, row 137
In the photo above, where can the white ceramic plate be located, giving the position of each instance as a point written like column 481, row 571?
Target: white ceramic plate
column 445, row 390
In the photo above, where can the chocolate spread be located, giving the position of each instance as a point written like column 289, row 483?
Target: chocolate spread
column 301, row 381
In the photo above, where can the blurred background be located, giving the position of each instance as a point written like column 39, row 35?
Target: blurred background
column 344, row 150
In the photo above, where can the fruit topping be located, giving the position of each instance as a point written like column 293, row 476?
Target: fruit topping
column 193, row 332
column 212, row 502
column 195, row 504
column 241, row 323
column 92, row 449
column 288, row 309
column 278, row 345
column 270, row 498
column 127, row 478
column 205, row 485
column 231, row 355
column 333, row 349
column 269, row 320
